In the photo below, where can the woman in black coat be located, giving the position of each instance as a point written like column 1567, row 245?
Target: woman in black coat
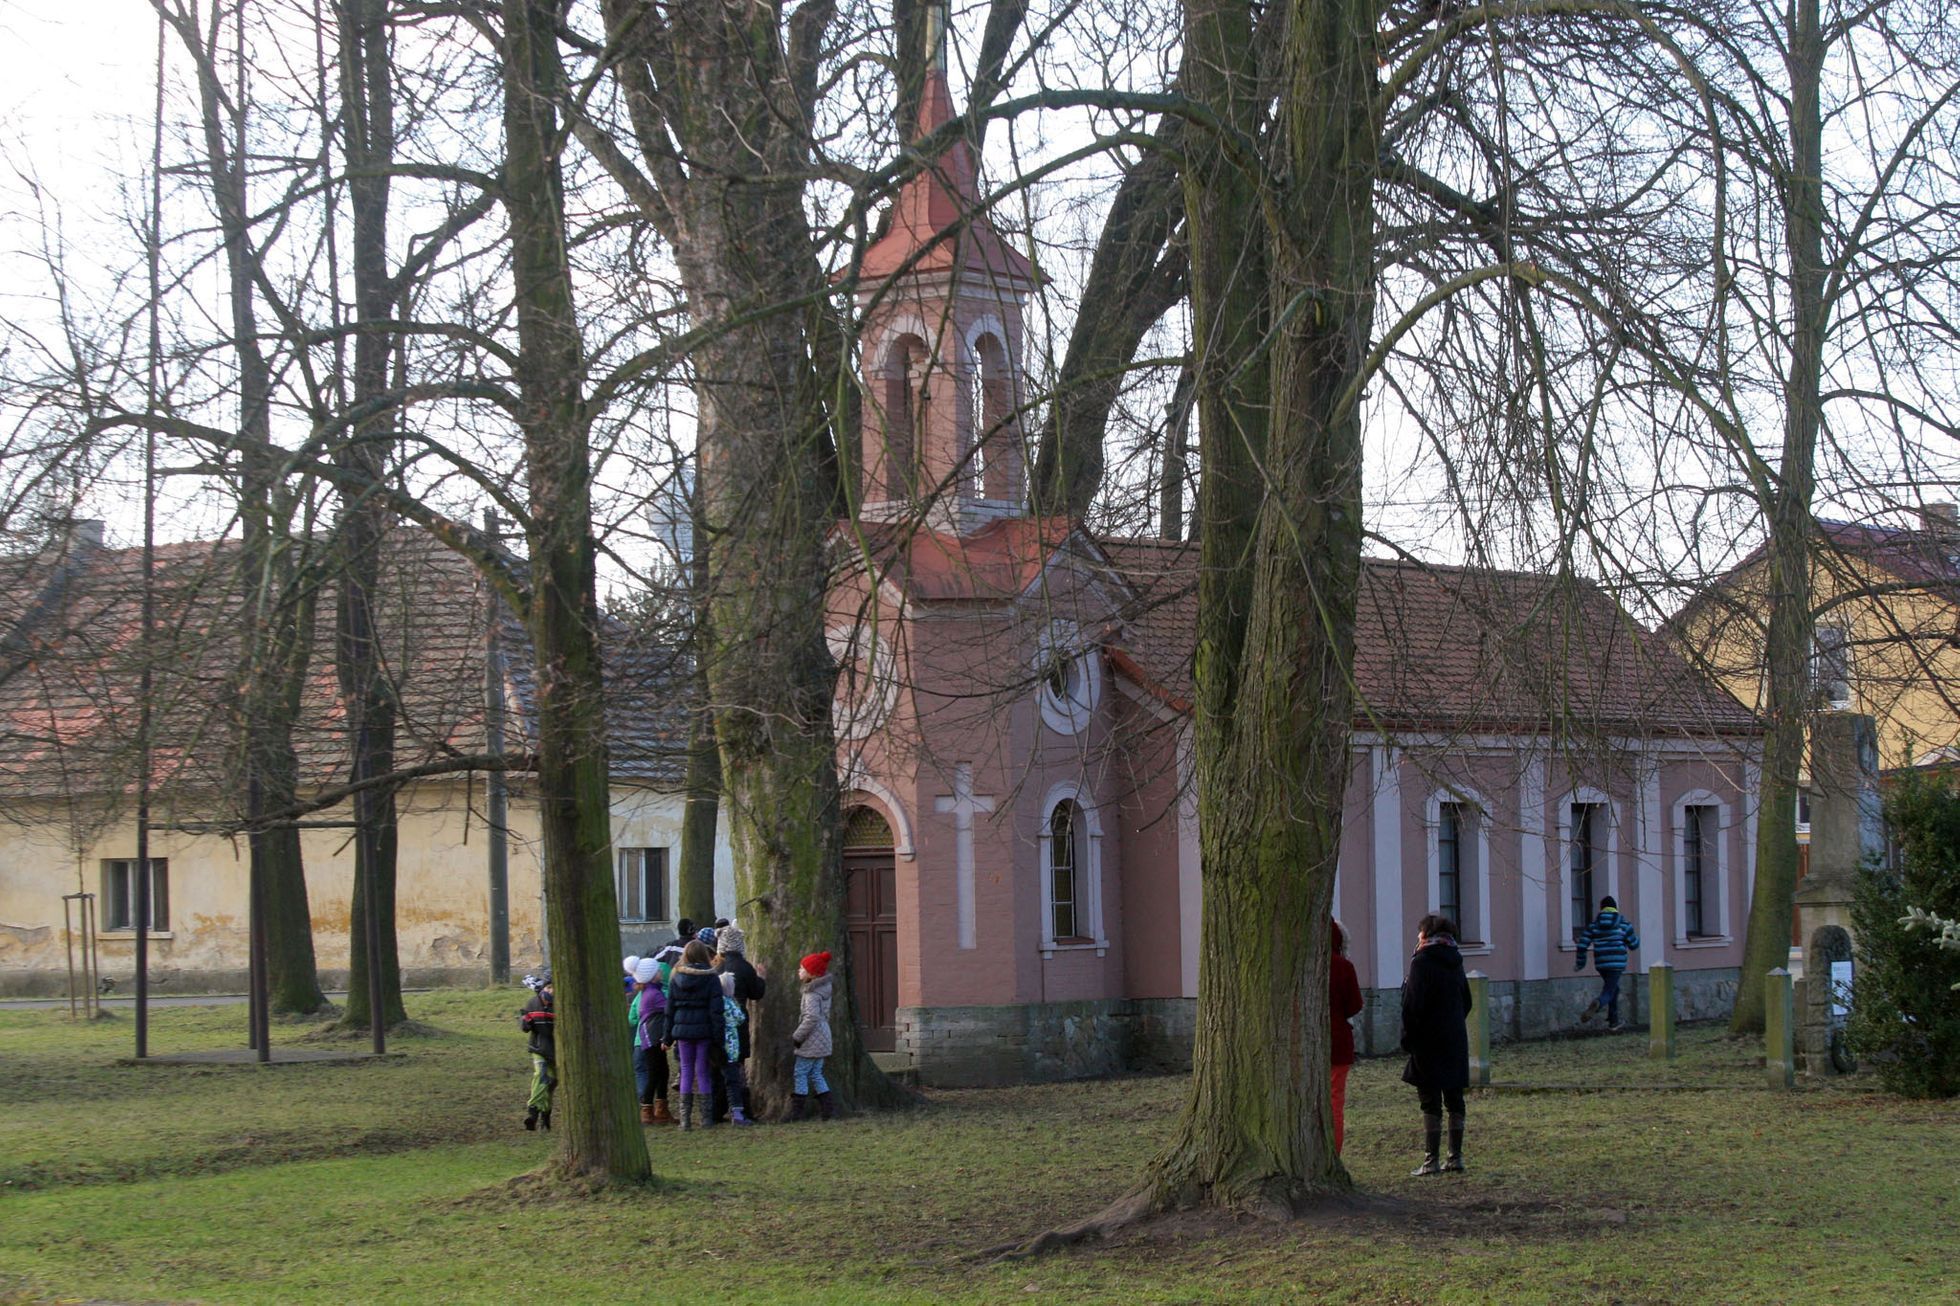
column 1435, row 1002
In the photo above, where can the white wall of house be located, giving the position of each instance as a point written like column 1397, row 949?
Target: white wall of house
column 50, row 849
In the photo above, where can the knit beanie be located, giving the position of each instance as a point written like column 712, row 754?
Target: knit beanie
column 707, row 936
column 630, row 963
column 816, row 963
column 644, row 972
column 1607, row 903
column 729, row 939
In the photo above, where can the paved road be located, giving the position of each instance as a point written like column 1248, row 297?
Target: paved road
column 122, row 1000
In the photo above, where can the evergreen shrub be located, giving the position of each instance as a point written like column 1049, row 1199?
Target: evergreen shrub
column 1905, row 1017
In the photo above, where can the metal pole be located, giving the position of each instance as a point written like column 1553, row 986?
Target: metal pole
column 496, row 791
column 261, row 997
column 143, row 689
column 68, row 937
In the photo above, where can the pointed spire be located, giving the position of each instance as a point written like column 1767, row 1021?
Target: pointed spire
column 938, row 209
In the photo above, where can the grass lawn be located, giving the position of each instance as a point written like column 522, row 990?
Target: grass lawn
column 392, row 1182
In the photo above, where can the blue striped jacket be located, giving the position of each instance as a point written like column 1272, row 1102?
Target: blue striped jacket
column 1611, row 937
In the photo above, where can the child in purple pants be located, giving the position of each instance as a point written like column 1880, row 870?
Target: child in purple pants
column 695, row 1021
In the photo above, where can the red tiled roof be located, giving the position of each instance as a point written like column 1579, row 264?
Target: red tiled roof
column 1452, row 648
column 937, row 223
column 70, row 659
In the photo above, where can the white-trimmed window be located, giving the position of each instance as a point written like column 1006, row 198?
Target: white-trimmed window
column 120, row 886
column 1589, row 844
column 1069, row 680
column 1459, row 864
column 1071, row 872
column 643, row 885
column 1830, row 666
column 1701, row 894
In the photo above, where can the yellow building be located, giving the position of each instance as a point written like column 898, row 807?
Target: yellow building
column 1886, row 636
column 70, row 661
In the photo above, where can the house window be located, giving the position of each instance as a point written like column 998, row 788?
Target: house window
column 1699, row 825
column 1587, row 819
column 643, row 884
column 1453, row 855
column 1830, row 666
column 119, row 891
column 1063, row 861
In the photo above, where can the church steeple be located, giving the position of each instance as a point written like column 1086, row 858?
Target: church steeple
column 941, row 296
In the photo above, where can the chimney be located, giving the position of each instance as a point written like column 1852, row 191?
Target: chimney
column 85, row 533
column 1939, row 519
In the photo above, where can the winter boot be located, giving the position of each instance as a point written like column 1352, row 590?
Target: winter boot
column 1432, row 1143
column 544, row 1119
column 826, row 1105
column 704, row 1110
column 646, row 1113
column 1592, row 1009
column 799, row 1106
column 687, row 1112
column 661, row 1115
column 1455, row 1162
column 739, row 1116
column 531, row 1118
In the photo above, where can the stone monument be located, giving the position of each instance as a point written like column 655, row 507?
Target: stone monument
column 1847, row 835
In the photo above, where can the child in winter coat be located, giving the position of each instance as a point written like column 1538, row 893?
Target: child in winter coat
column 695, row 1021
column 649, row 1015
column 540, row 1022
column 812, row 1038
column 743, row 986
column 1611, row 937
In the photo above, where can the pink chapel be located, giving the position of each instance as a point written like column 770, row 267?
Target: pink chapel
column 1014, row 725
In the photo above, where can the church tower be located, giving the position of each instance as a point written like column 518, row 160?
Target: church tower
column 940, row 300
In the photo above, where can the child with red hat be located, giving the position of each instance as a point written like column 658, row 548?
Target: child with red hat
column 812, row 1038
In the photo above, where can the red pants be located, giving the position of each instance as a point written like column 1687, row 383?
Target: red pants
column 1340, row 1105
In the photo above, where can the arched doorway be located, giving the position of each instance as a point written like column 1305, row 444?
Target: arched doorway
column 871, row 917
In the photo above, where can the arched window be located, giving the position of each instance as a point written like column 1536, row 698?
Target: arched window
column 1589, row 840
column 1064, row 862
column 989, row 470
column 1071, row 872
column 906, row 401
column 1459, row 864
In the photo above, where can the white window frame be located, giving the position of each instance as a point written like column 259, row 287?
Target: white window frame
column 1584, row 794
column 1069, row 713
column 126, row 867
column 1475, row 941
column 620, row 855
column 1715, row 873
column 1088, row 872
column 1821, row 657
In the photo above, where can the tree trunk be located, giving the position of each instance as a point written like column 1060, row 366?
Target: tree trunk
column 278, row 630
column 738, row 104
column 367, row 114
column 1134, row 279
column 1280, row 544
column 601, row 1136
column 703, row 784
column 1786, row 651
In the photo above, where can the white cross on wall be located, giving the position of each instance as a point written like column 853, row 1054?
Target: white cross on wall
column 963, row 804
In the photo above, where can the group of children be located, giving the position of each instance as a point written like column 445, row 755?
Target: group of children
column 693, row 997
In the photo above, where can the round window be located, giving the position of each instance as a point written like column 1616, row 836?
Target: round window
column 1070, row 680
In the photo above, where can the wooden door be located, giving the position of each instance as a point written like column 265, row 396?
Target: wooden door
column 871, row 916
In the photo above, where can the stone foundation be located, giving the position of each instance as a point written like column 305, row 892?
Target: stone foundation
column 968, row 1047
